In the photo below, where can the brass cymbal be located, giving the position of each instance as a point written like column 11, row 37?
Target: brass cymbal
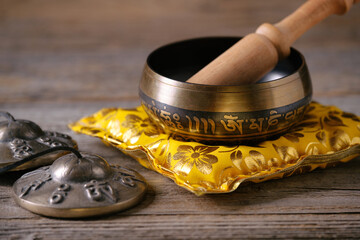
column 77, row 186
column 20, row 139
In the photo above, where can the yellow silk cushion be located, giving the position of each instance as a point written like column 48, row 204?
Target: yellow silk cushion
column 324, row 137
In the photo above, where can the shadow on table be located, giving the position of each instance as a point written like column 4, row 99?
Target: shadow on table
column 8, row 178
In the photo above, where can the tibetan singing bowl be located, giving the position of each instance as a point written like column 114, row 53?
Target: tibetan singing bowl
column 221, row 113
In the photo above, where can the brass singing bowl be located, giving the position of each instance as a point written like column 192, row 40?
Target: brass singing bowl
column 208, row 113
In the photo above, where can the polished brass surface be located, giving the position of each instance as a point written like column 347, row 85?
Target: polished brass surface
column 226, row 113
column 75, row 187
column 20, row 139
column 198, row 97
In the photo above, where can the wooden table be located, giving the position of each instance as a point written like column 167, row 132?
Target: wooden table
column 62, row 60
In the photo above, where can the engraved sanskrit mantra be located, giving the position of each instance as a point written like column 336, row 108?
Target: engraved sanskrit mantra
column 60, row 194
column 125, row 178
column 20, row 148
column 36, row 184
column 232, row 123
column 50, row 142
column 99, row 191
column 201, row 124
column 229, row 124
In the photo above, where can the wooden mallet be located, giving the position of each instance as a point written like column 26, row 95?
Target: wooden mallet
column 257, row 53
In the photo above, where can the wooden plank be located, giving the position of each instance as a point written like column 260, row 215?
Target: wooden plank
column 62, row 60
column 66, row 52
column 187, row 227
column 323, row 203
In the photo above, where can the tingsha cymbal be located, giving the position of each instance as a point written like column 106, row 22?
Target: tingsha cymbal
column 77, row 186
column 20, row 139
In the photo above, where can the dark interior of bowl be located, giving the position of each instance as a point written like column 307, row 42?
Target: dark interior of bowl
column 180, row 60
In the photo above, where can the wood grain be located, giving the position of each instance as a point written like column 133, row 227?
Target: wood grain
column 62, row 60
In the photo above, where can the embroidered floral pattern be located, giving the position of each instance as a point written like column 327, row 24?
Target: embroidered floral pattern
column 312, row 148
column 137, row 126
column 294, row 136
column 341, row 140
column 236, row 158
column 199, row 156
column 321, row 137
column 332, row 119
column 255, row 162
column 351, row 116
column 286, row 153
column 325, row 136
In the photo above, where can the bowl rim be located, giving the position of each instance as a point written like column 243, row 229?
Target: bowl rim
column 277, row 93
column 223, row 88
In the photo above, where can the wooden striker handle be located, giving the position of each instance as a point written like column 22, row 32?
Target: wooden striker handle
column 256, row 54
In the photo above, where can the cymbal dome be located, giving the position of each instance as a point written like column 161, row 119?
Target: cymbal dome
column 69, row 168
column 22, row 129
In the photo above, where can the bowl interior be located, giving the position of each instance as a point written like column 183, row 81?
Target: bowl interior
column 179, row 61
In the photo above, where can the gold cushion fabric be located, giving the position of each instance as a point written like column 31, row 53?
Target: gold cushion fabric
column 324, row 137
